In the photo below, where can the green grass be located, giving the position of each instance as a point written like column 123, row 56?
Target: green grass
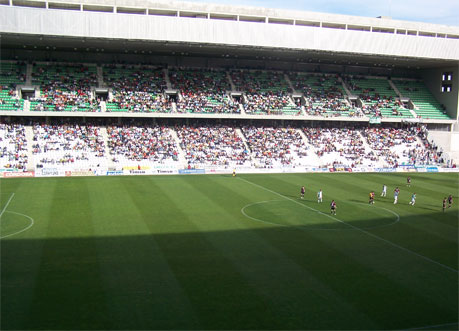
column 216, row 252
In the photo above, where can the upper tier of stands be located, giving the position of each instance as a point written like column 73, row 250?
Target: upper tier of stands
column 427, row 105
column 136, row 89
column 265, row 92
column 70, row 87
column 64, row 87
column 203, row 91
column 11, row 75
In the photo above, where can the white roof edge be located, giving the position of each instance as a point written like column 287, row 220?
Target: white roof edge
column 267, row 12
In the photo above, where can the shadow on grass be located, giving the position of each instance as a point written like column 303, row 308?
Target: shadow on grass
column 260, row 278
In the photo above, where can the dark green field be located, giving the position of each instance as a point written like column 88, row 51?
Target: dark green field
column 216, row 252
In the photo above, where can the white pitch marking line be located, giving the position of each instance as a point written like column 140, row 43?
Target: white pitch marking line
column 316, row 229
column 6, row 206
column 30, row 225
column 433, row 326
column 356, row 228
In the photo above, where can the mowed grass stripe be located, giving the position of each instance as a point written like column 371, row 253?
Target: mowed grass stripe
column 21, row 258
column 443, row 237
column 330, row 258
column 69, row 289
column 216, row 289
column 388, row 262
column 271, row 273
column 185, row 237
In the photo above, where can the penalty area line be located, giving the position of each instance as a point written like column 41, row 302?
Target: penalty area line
column 6, row 206
column 355, row 228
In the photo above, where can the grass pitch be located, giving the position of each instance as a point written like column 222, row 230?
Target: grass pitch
column 216, row 252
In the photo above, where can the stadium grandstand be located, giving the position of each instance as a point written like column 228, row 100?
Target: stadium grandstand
column 160, row 87
column 205, row 166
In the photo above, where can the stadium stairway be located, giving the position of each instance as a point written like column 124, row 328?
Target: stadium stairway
column 312, row 156
column 391, row 83
column 348, row 92
column 103, row 106
column 228, row 76
column 365, row 142
column 289, row 82
column 241, row 135
column 30, row 157
column 181, row 154
column 104, row 134
column 413, row 113
column 29, row 70
column 166, row 78
column 100, row 76
column 26, row 106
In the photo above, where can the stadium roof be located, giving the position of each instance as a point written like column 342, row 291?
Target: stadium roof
column 369, row 28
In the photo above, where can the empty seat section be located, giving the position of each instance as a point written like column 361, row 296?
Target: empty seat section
column 426, row 104
column 378, row 97
column 11, row 75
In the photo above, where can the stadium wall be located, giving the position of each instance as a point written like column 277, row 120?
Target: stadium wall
column 83, row 24
column 433, row 80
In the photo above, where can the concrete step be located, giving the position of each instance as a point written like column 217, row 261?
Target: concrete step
column 181, row 154
column 104, row 134
column 313, row 158
column 167, row 79
column 30, row 157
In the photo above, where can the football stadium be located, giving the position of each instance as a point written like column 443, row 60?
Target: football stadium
column 184, row 166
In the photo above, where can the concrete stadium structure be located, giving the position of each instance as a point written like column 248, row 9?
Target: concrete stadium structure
column 181, row 34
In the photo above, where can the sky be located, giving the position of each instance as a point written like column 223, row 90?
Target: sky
column 445, row 12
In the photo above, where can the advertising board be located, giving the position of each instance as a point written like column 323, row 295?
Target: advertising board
column 18, row 174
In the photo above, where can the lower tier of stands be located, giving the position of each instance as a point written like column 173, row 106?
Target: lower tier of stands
column 75, row 145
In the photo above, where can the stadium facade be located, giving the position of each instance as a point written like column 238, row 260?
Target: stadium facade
column 181, row 34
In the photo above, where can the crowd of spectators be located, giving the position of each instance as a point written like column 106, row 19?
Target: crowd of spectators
column 201, row 102
column 67, row 144
column 324, row 95
column 141, row 143
column 268, row 103
column 137, row 89
column 135, row 101
column 202, row 91
column 265, row 92
column 424, row 152
column 212, row 145
column 339, row 145
column 271, row 147
column 64, row 87
column 13, row 146
column 375, row 94
column 390, row 144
